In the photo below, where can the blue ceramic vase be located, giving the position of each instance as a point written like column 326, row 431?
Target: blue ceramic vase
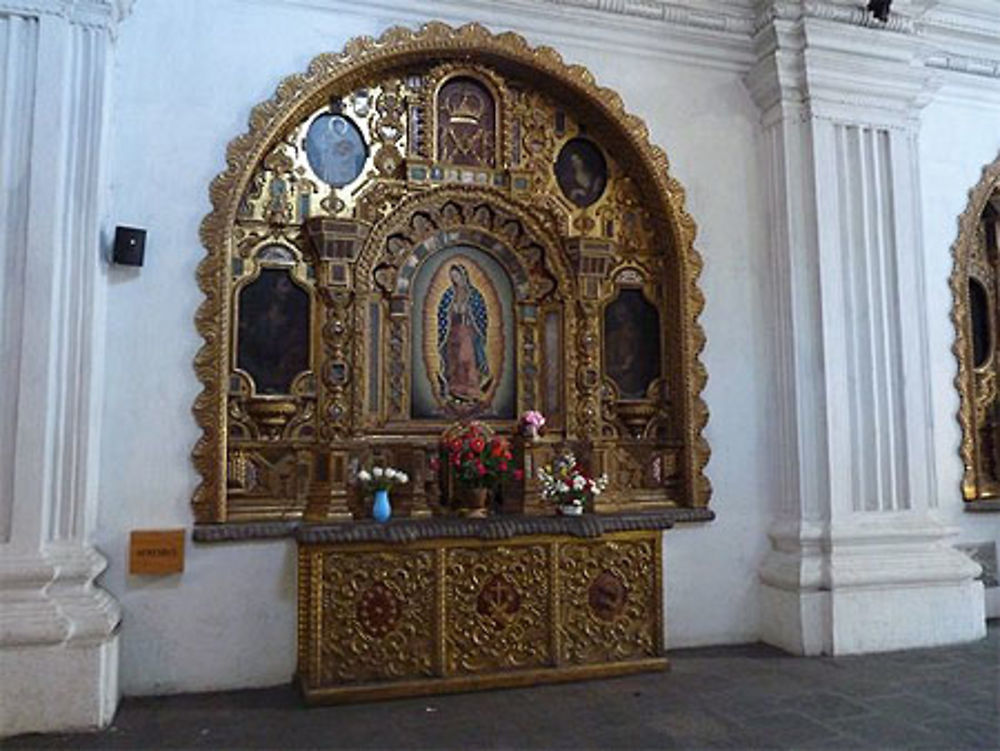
column 381, row 511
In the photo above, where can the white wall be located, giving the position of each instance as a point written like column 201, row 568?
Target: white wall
column 957, row 141
column 188, row 73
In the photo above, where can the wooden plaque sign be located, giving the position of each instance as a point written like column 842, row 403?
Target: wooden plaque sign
column 156, row 551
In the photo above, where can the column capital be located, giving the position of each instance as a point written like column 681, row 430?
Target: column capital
column 832, row 60
column 904, row 17
column 95, row 13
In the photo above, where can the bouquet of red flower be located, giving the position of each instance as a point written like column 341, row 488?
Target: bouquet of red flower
column 477, row 459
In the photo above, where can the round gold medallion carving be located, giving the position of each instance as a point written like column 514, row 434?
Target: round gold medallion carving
column 499, row 600
column 607, row 596
column 378, row 610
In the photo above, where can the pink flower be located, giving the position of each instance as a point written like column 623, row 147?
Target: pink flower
column 533, row 418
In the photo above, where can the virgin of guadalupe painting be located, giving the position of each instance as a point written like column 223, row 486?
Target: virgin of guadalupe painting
column 462, row 336
column 463, row 333
column 335, row 149
column 581, row 171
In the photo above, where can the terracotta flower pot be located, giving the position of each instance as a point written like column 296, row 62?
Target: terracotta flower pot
column 475, row 502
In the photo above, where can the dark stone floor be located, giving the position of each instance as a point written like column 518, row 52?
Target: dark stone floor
column 726, row 697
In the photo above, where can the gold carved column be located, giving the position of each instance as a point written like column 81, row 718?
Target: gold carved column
column 336, row 244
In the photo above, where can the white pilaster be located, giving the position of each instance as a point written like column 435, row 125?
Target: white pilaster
column 858, row 561
column 58, row 640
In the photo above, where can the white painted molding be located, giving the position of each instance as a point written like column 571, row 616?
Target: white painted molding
column 732, row 17
column 713, row 37
column 874, row 549
column 97, row 13
column 850, row 14
column 971, row 20
column 976, row 66
column 50, row 598
column 846, row 81
column 956, row 34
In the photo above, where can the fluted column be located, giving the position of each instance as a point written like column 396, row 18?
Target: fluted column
column 858, row 561
column 58, row 642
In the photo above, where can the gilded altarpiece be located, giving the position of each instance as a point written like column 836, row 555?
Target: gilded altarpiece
column 975, row 287
column 438, row 226
column 435, row 227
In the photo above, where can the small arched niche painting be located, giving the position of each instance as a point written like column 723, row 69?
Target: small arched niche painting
column 581, row 171
column 335, row 149
column 466, row 116
column 632, row 343
column 272, row 343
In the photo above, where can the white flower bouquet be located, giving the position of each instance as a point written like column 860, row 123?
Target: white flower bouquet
column 382, row 478
column 567, row 485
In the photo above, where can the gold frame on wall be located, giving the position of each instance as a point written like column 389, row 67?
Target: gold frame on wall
column 977, row 388
column 362, row 59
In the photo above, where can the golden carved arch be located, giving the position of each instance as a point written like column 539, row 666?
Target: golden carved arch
column 644, row 179
column 976, row 262
column 513, row 233
column 437, row 204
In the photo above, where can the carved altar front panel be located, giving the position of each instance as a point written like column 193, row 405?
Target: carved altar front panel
column 406, row 240
column 386, row 632
column 610, row 607
column 498, row 614
column 446, row 614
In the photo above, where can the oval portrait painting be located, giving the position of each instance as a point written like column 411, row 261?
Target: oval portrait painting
column 581, row 171
column 335, row 149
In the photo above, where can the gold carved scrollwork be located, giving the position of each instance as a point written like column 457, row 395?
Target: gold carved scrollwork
column 377, row 616
column 384, row 619
column 389, row 129
column 337, row 371
column 588, row 374
column 498, row 615
column 609, row 604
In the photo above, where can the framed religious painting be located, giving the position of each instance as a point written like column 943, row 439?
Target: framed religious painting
column 463, row 337
column 581, row 171
column 335, row 149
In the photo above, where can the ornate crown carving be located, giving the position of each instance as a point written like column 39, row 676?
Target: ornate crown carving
column 465, row 107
